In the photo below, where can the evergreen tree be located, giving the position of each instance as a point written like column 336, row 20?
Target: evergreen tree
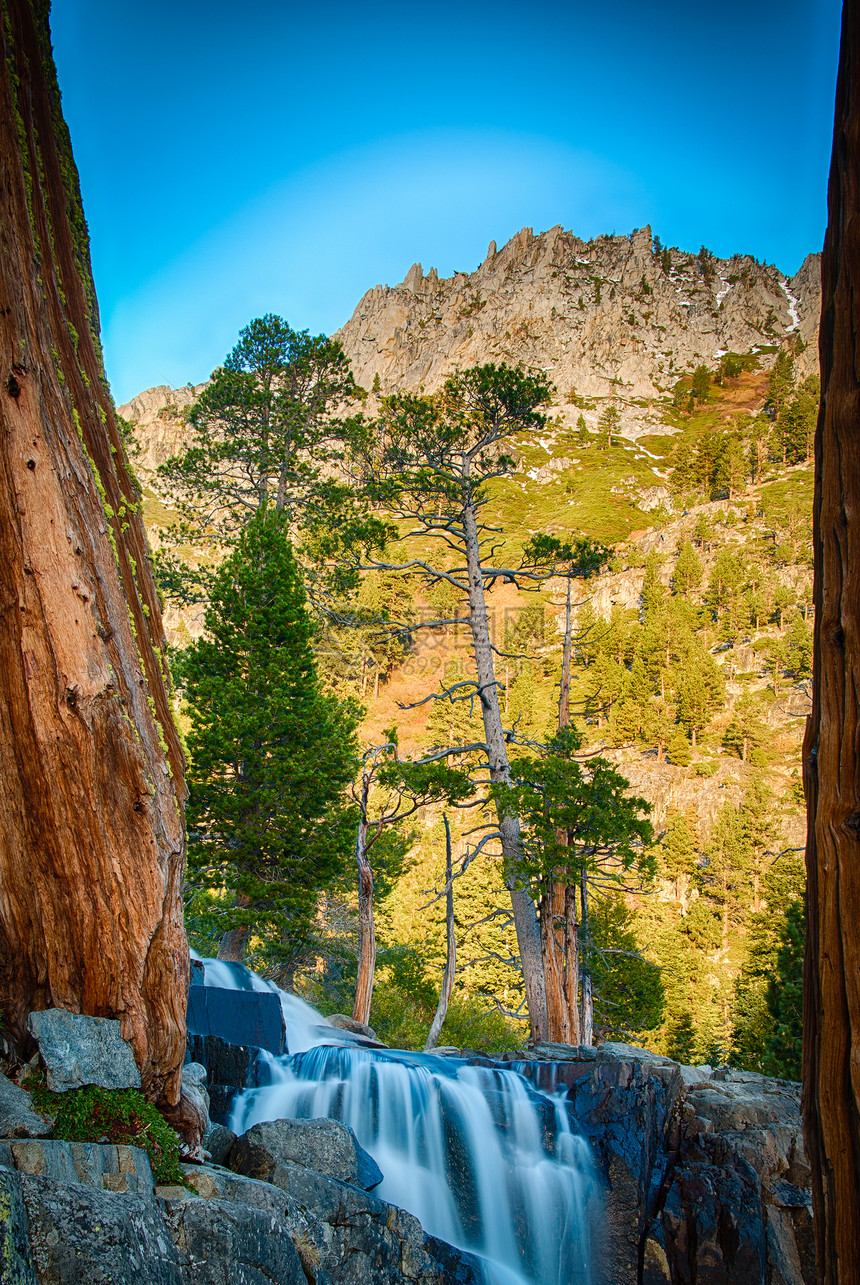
column 262, row 435
column 607, row 425
column 688, row 572
column 701, row 383
column 677, row 852
column 270, row 753
column 784, row 1046
column 746, row 730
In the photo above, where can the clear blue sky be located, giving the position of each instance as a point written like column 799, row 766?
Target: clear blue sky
column 264, row 156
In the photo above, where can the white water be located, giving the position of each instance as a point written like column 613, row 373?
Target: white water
column 480, row 1158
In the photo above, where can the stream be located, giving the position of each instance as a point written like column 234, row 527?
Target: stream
column 475, row 1153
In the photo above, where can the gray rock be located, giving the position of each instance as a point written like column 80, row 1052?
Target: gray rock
column 324, row 1146
column 343, row 1023
column 17, row 1117
column 221, row 1243
column 311, row 1237
column 371, row 1242
column 218, row 1141
column 78, row 1050
column 104, row 1165
column 16, row 1267
column 80, row 1236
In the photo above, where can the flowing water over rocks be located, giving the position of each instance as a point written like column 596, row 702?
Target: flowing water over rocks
column 556, row 1165
column 485, row 1161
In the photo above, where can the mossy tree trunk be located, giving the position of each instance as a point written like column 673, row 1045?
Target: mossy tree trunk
column 91, row 786
column 831, row 755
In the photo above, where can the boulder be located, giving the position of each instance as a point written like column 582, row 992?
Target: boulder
column 222, row 1243
column 324, row 1146
column 16, row 1265
column 239, row 1016
column 218, row 1141
column 343, row 1235
column 80, row 1236
column 78, row 1050
column 17, row 1117
column 104, row 1165
column 343, row 1023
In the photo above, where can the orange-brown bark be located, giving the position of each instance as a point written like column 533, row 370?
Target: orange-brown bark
column 831, row 1063
column 91, row 836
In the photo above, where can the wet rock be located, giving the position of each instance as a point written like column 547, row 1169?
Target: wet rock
column 17, row 1117
column 243, row 1017
column 79, row 1050
column 324, row 1146
column 460, row 1267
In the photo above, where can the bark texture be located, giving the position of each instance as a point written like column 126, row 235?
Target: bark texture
column 366, row 928
column 831, row 1070
column 91, row 836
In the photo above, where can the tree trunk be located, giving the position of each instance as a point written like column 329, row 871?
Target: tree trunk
column 366, row 930
column 553, row 967
column 525, row 917
column 234, row 940
column 571, row 963
column 586, row 1021
column 564, row 693
column 451, row 948
column 91, row 834
column 831, row 752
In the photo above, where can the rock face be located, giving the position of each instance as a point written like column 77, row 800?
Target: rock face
column 602, row 316
column 74, row 1214
column 325, row 1146
column 79, row 1050
column 704, row 1174
column 831, row 756
column 91, row 838
column 244, row 1017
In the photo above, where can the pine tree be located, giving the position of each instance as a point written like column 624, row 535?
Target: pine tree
column 701, row 383
column 688, row 571
column 271, row 754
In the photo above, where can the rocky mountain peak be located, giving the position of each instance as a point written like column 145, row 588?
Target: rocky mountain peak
column 616, row 317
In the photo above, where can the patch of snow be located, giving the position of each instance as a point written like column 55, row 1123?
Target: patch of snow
column 725, row 287
column 792, row 306
column 721, row 352
column 648, row 453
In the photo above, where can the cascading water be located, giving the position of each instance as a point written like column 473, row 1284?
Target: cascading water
column 480, row 1158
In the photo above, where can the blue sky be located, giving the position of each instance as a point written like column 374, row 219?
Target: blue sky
column 266, row 156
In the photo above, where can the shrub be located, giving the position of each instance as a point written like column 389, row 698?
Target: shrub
column 121, row 1116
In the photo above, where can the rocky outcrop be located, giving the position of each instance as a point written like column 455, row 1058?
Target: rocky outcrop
column 704, row 1173
column 91, row 837
column 72, row 1214
column 603, row 317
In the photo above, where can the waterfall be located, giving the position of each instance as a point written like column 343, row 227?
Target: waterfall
column 475, row 1153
